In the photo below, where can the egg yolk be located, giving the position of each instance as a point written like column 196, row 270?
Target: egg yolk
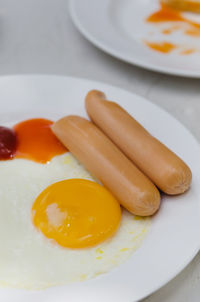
column 36, row 141
column 76, row 213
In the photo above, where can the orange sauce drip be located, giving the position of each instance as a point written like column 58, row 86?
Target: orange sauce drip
column 190, row 6
column 164, row 47
column 195, row 32
column 170, row 30
column 167, row 14
column 167, row 31
column 36, row 141
column 188, row 51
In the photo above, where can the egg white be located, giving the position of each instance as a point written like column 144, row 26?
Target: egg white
column 27, row 258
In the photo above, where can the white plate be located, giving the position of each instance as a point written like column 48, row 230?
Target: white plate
column 118, row 27
column 173, row 239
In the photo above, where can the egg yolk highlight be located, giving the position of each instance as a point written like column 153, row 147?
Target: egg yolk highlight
column 76, row 213
column 36, row 141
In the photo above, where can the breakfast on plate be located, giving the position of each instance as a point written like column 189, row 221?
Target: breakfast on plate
column 185, row 5
column 169, row 21
column 64, row 224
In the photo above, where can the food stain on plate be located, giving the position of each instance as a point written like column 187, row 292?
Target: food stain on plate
column 187, row 51
column 164, row 47
column 170, row 30
column 174, row 22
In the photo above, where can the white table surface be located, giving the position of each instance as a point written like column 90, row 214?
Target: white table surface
column 37, row 36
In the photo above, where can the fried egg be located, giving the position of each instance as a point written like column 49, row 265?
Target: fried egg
column 32, row 259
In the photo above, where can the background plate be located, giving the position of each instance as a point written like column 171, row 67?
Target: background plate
column 118, row 27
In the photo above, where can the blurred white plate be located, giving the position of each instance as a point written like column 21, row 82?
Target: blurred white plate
column 118, row 27
column 173, row 239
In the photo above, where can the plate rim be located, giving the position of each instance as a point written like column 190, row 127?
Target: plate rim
column 116, row 54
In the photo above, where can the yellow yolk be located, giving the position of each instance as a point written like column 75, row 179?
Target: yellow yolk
column 76, row 213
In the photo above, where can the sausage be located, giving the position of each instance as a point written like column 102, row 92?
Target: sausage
column 108, row 164
column 166, row 170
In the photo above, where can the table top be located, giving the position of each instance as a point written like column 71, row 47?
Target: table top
column 39, row 37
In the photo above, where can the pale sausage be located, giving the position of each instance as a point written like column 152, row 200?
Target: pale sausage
column 106, row 162
column 166, row 170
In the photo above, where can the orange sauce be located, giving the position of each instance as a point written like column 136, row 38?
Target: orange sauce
column 36, row 141
column 191, row 6
column 170, row 30
column 167, row 14
column 195, row 32
column 167, row 31
column 188, row 51
column 164, row 47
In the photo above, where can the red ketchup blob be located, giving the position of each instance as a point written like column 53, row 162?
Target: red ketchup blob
column 8, row 143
